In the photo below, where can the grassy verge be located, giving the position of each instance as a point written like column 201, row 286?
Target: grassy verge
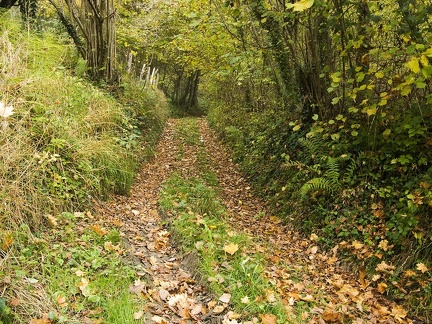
column 65, row 144
column 69, row 273
column 227, row 261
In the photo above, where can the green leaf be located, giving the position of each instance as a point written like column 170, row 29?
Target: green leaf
column 371, row 111
column 413, row 65
column 302, row 5
column 383, row 102
column 354, row 133
column 296, row 128
column 379, row 75
column 387, row 132
column 420, row 84
column 335, row 136
column 427, row 71
column 2, row 304
column 335, row 100
column 315, row 117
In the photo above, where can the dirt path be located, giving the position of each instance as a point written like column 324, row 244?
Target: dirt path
column 299, row 270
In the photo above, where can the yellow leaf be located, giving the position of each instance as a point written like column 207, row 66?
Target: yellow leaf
column 52, row 220
column 7, row 241
column 268, row 319
column 381, row 287
column 231, row 248
column 357, row 245
column 302, row 5
column 296, row 128
column 98, row 230
column 413, row 65
column 424, row 60
column 371, row 111
column 421, row 267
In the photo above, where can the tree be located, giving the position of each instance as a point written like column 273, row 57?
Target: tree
column 91, row 25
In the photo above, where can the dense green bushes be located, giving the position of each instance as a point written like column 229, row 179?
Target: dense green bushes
column 372, row 200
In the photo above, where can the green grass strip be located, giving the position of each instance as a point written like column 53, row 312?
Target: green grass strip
column 226, row 260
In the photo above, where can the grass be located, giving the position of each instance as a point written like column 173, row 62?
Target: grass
column 201, row 227
column 78, row 270
column 67, row 144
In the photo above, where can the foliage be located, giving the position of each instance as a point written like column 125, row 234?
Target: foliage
column 65, row 144
column 72, row 269
column 347, row 148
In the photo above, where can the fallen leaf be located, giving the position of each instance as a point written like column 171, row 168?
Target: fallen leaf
column 7, row 241
column 421, row 267
column 409, row 273
column 313, row 237
column 218, row 309
column 331, row 316
column 15, row 302
column 6, row 111
column 159, row 320
column 399, row 313
column 61, row 300
column 225, row 298
column 314, row 249
column 211, row 304
column 52, row 220
column 43, row 320
column 153, row 260
column 231, row 248
column 79, row 273
column 138, row 315
column 384, row 267
column 268, row 319
column 98, row 230
column 196, row 309
column 163, row 294
column 233, row 315
column 383, row 245
column 307, row 298
column 245, row 300
column 357, row 245
column 32, row 280
column 381, row 287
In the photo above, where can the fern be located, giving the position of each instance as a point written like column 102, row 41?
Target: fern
column 351, row 168
column 314, row 185
column 333, row 171
column 314, row 145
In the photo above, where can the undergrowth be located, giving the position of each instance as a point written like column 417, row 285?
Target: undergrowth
column 372, row 200
column 65, row 144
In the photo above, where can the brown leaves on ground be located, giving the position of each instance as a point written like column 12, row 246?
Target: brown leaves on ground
column 299, row 269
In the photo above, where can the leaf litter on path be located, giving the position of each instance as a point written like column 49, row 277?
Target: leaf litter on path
column 299, row 270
